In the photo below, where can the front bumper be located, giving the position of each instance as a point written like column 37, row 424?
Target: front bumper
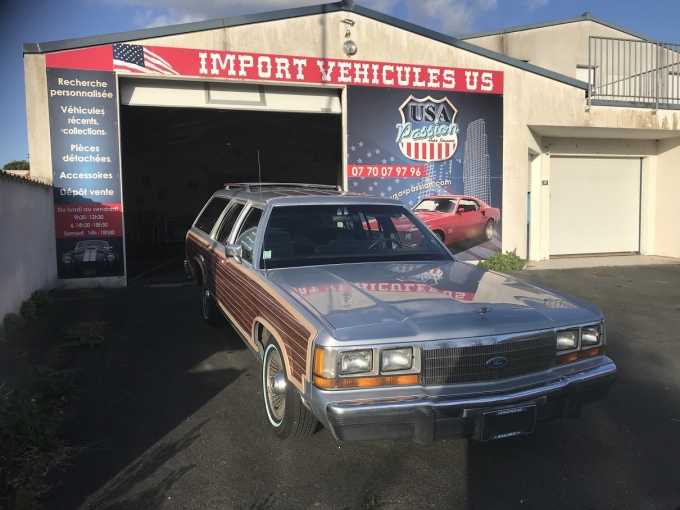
column 425, row 420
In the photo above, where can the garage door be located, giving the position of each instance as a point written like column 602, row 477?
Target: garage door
column 233, row 96
column 594, row 205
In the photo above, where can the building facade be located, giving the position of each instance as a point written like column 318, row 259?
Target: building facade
column 136, row 130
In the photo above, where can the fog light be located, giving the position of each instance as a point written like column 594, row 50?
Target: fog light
column 356, row 362
column 591, row 336
column 397, row 359
column 567, row 340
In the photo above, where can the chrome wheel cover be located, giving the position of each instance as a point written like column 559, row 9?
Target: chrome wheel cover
column 276, row 404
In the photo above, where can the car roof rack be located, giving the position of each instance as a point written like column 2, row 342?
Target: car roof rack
column 259, row 185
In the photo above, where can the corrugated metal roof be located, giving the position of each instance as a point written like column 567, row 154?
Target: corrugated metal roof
column 344, row 5
column 586, row 16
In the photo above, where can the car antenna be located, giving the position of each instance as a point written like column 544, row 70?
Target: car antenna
column 259, row 180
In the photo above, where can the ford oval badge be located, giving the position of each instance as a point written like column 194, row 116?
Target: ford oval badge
column 499, row 362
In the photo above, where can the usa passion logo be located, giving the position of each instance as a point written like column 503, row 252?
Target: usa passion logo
column 428, row 131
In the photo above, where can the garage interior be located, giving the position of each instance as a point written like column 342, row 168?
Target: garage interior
column 175, row 157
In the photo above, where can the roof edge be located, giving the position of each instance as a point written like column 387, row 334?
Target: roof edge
column 4, row 174
column 586, row 16
column 183, row 28
column 466, row 46
column 344, row 5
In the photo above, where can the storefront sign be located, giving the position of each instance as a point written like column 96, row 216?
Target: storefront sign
column 88, row 214
column 158, row 60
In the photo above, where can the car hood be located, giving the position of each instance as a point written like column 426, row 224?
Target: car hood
column 431, row 215
column 430, row 300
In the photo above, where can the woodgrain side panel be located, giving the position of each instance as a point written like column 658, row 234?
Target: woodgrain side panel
column 244, row 298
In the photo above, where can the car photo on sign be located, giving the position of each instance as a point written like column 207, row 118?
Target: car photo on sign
column 456, row 218
column 90, row 257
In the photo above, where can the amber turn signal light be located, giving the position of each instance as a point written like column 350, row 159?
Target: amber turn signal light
column 393, row 380
column 319, row 355
column 575, row 356
column 324, row 383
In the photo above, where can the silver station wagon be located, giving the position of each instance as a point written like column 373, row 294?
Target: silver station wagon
column 365, row 322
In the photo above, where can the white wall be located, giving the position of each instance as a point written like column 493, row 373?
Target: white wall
column 667, row 238
column 27, row 250
column 560, row 48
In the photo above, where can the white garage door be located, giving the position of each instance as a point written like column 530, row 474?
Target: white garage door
column 239, row 96
column 594, row 205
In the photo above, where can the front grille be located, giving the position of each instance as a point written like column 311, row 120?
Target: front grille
column 468, row 364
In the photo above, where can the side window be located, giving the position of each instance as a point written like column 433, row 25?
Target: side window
column 206, row 221
column 468, row 206
column 228, row 222
column 246, row 236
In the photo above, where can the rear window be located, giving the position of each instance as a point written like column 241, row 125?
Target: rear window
column 331, row 234
column 206, row 221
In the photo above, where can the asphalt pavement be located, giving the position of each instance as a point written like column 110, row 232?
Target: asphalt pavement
column 171, row 416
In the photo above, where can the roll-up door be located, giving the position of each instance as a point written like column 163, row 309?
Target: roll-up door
column 594, row 205
column 236, row 96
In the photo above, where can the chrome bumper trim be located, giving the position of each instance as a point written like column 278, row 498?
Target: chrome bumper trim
column 353, row 415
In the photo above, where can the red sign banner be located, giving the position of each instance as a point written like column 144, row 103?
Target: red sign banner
column 159, row 60
column 85, row 221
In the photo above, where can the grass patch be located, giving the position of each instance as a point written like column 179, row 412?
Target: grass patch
column 84, row 333
column 30, row 410
column 11, row 325
column 508, row 261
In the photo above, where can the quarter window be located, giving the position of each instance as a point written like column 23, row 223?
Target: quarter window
column 206, row 221
column 229, row 221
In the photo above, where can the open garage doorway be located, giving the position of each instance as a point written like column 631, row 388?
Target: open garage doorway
column 174, row 159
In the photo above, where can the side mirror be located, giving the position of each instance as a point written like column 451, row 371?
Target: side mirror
column 234, row 251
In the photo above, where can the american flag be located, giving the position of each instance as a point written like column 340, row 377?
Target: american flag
column 428, row 151
column 135, row 58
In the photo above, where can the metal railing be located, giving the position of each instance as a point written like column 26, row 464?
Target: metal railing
column 634, row 71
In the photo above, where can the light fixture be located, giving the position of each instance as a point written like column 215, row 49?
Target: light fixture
column 349, row 47
column 348, row 21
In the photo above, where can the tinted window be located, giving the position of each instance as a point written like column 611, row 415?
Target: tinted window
column 228, row 222
column 330, row 234
column 246, row 236
column 206, row 221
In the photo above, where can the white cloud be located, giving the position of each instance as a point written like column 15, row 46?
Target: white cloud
column 448, row 16
column 532, row 5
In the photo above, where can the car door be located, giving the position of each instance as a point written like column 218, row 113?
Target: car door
column 233, row 292
column 467, row 216
column 200, row 243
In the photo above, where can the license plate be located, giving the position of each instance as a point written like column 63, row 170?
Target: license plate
column 513, row 421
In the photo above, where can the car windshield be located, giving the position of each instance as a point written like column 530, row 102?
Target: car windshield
column 330, row 234
column 446, row 205
column 85, row 244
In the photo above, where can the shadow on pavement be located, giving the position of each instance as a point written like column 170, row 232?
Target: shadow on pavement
column 159, row 364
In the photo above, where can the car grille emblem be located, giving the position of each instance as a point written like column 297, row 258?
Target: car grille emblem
column 498, row 362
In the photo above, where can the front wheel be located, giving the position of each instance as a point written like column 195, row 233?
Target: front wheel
column 287, row 415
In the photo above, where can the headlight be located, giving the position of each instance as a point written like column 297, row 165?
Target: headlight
column 396, row 359
column 66, row 259
column 567, row 340
column 111, row 257
column 590, row 336
column 356, row 362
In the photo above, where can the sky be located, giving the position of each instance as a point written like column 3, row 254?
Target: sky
column 24, row 21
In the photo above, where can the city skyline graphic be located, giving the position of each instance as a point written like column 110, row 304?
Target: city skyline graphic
column 476, row 165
